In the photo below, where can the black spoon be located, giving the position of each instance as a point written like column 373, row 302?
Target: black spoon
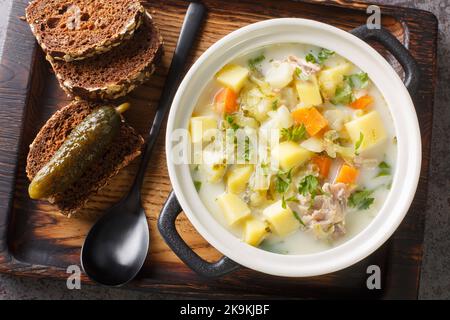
column 116, row 247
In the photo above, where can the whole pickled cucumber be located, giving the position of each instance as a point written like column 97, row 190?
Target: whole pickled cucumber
column 86, row 143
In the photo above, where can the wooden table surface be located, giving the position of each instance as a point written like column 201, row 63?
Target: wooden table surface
column 435, row 280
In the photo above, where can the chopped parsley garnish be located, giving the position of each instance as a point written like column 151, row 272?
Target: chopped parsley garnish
column 324, row 54
column 255, row 62
column 298, row 72
column 311, row 58
column 294, row 133
column 283, row 180
column 344, row 92
column 309, row 185
column 231, row 122
column 275, row 104
column 198, row 185
column 296, row 216
column 290, row 199
column 384, row 169
column 359, row 143
column 358, row 80
column 361, row 199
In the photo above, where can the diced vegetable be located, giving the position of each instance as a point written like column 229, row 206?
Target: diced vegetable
column 324, row 164
column 258, row 198
column 313, row 144
column 347, row 174
column 260, row 181
column 371, row 127
column 226, row 101
column 199, row 126
column 254, row 232
column 214, row 172
column 282, row 220
column 233, row 76
column 336, row 118
column 309, row 91
column 330, row 78
column 213, row 165
column 362, row 103
column 279, row 75
column 289, row 155
column 255, row 103
column 289, row 97
column 311, row 118
column 283, row 117
column 233, row 208
column 238, row 177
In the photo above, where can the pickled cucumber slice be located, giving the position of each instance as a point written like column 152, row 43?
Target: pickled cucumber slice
column 86, row 144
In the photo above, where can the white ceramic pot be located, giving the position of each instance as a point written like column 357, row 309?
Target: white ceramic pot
column 405, row 179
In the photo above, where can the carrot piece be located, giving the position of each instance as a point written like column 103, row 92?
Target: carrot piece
column 347, row 174
column 323, row 163
column 362, row 102
column 311, row 118
column 226, row 101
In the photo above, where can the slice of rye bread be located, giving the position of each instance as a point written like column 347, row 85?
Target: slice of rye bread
column 126, row 147
column 77, row 29
column 115, row 73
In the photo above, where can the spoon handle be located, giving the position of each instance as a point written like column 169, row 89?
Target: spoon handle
column 191, row 25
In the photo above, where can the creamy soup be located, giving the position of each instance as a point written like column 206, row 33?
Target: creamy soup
column 293, row 147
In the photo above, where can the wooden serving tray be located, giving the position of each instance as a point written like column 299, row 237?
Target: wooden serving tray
column 36, row 241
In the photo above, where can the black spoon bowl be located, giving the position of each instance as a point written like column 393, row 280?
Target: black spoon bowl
column 116, row 247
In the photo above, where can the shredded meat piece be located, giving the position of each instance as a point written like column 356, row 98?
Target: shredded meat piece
column 326, row 212
column 308, row 68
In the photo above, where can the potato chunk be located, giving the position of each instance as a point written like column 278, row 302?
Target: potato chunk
column 233, row 76
column 309, row 92
column 369, row 128
column 238, row 177
column 330, row 78
column 254, row 232
column 282, row 221
column 233, row 208
column 289, row 155
column 199, row 126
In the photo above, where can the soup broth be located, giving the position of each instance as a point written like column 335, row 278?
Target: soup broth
column 330, row 156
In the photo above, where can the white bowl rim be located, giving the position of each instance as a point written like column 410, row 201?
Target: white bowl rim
column 404, row 183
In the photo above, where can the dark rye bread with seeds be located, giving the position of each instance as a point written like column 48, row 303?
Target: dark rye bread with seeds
column 125, row 147
column 116, row 72
column 77, row 29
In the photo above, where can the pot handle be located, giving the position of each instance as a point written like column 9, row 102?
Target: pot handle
column 391, row 43
column 167, row 229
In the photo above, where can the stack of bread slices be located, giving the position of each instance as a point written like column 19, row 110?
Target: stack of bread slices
column 100, row 50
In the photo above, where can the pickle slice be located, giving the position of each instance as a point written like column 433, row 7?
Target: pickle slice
column 85, row 145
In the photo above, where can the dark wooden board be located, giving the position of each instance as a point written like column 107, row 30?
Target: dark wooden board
column 36, row 241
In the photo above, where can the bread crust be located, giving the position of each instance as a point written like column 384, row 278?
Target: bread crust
column 123, row 69
column 50, row 21
column 125, row 147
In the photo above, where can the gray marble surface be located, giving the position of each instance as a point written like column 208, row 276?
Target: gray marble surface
column 435, row 278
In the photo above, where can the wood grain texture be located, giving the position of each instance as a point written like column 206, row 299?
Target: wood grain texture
column 36, row 241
